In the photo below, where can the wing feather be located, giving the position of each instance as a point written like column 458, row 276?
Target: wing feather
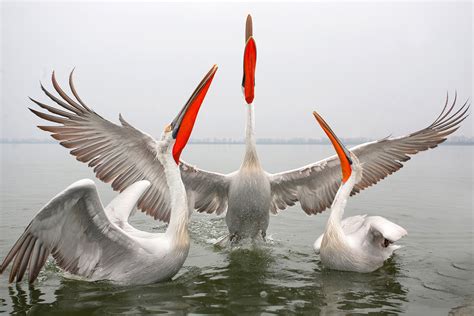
column 209, row 189
column 380, row 226
column 75, row 229
column 315, row 185
column 120, row 155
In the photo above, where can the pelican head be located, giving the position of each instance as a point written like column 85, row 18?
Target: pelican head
column 250, row 61
column 177, row 133
column 350, row 165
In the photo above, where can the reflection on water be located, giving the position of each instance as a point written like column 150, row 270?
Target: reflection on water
column 21, row 300
column 431, row 274
column 248, row 282
column 369, row 292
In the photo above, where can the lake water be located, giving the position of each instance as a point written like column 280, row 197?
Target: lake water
column 433, row 274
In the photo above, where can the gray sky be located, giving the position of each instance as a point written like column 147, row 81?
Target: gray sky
column 371, row 69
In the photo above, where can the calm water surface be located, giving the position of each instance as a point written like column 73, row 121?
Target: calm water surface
column 432, row 197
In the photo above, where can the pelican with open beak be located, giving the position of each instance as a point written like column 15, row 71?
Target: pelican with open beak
column 359, row 243
column 98, row 243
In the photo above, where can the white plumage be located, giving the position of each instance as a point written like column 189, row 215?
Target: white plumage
column 98, row 243
column 359, row 243
column 94, row 242
column 363, row 225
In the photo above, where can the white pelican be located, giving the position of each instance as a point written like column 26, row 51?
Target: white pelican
column 248, row 194
column 356, row 243
column 98, row 243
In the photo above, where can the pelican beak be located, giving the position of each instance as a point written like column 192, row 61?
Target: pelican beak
column 182, row 125
column 250, row 61
column 342, row 152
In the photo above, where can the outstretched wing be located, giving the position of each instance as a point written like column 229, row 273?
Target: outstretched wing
column 208, row 190
column 76, row 230
column 120, row 155
column 315, row 185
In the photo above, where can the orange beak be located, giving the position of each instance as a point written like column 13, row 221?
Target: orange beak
column 342, row 152
column 182, row 125
column 250, row 62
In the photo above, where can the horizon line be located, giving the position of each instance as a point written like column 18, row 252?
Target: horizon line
column 460, row 140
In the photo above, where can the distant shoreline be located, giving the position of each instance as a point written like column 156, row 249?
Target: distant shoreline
column 456, row 140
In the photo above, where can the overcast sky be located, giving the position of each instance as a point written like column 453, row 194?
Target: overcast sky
column 371, row 69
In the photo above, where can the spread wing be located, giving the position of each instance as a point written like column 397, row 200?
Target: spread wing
column 119, row 154
column 315, row 185
column 122, row 155
column 208, row 189
column 76, row 230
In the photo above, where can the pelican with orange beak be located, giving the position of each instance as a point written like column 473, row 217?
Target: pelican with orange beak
column 359, row 243
column 250, row 63
column 98, row 243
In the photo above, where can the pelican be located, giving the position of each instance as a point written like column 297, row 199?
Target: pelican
column 357, row 243
column 249, row 194
column 98, row 243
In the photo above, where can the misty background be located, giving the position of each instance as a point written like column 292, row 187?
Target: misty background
column 371, row 69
